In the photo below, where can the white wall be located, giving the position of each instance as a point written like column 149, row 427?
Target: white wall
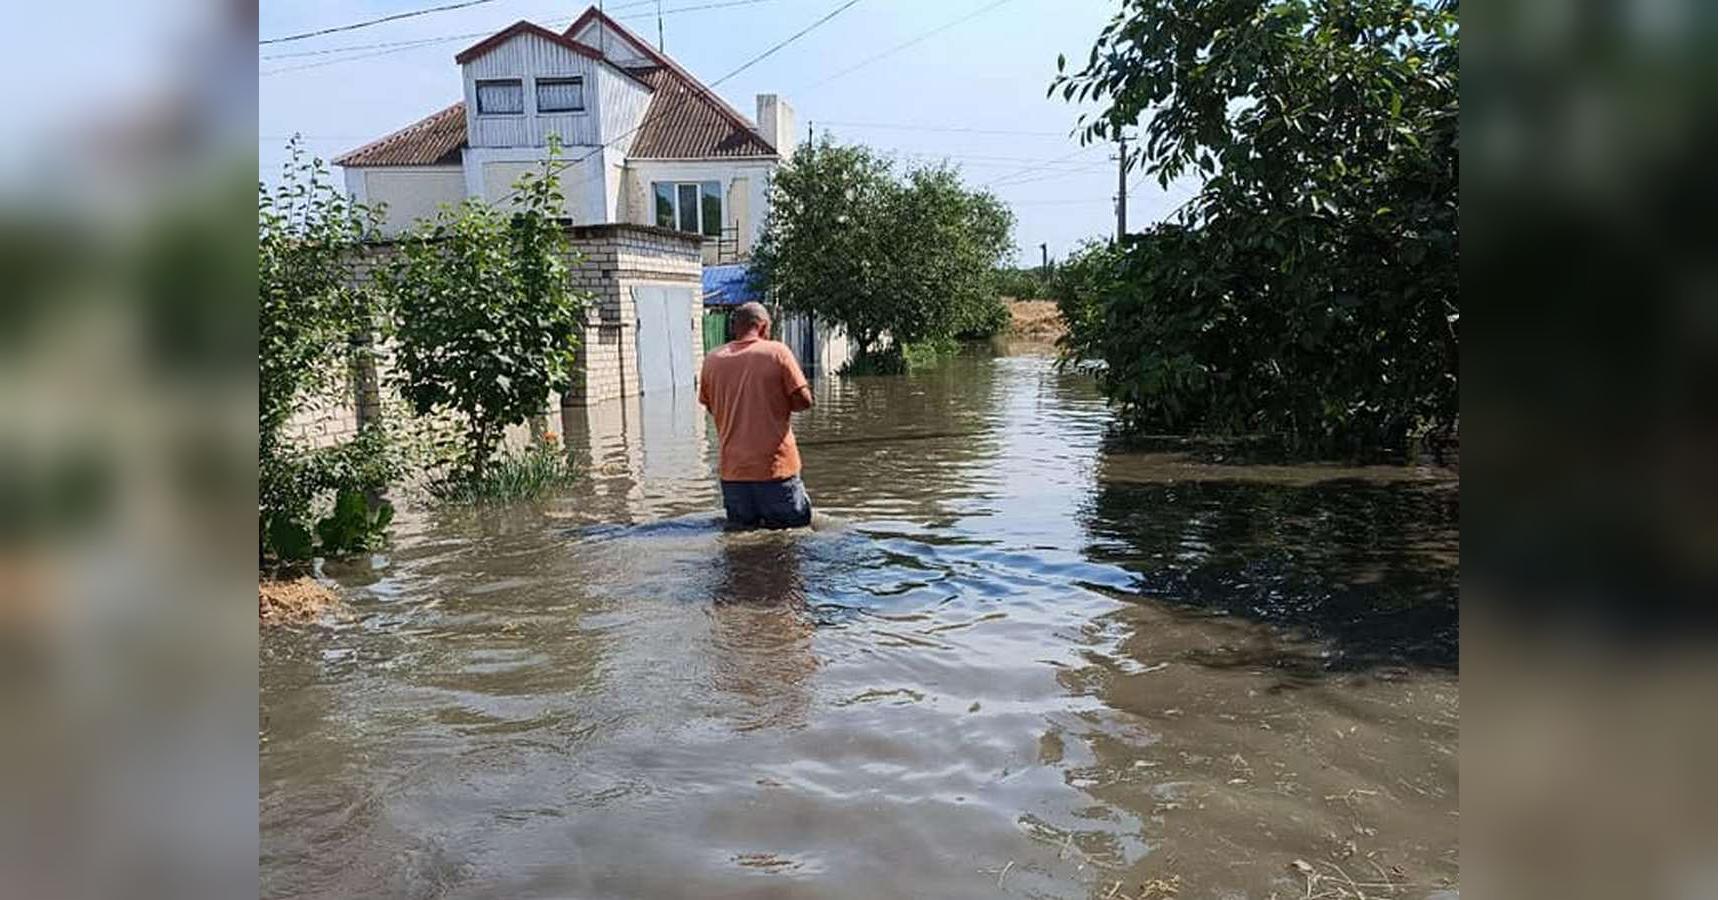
column 623, row 102
column 491, row 171
column 410, row 193
column 527, row 57
column 776, row 119
column 641, row 173
column 612, row 44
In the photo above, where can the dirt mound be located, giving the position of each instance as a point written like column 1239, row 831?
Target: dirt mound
column 293, row 600
column 1035, row 319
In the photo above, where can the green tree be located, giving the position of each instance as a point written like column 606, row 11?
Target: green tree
column 310, row 309
column 1018, row 283
column 486, row 319
column 1310, row 288
column 849, row 242
column 949, row 243
column 1080, row 286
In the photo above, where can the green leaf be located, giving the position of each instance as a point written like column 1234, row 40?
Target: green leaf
column 290, row 541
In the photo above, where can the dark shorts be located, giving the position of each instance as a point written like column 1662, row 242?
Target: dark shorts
column 768, row 504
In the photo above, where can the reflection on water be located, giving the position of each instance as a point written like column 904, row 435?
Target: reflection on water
column 1009, row 656
column 761, row 631
column 1366, row 559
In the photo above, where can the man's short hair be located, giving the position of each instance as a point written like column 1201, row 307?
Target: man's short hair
column 745, row 317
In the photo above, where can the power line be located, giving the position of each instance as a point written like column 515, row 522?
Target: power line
column 413, row 14
column 906, row 44
column 932, row 154
column 1003, row 180
column 899, row 126
column 346, row 59
column 415, row 42
column 1073, row 202
column 386, row 48
column 1051, row 175
column 703, row 90
column 369, row 22
column 789, row 40
column 700, row 8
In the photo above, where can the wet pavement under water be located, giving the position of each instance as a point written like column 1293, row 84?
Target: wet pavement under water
column 1008, row 662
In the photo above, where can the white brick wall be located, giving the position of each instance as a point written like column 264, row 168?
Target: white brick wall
column 610, row 259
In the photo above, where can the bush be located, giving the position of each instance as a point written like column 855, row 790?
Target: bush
column 1310, row 288
column 313, row 317
column 527, row 475
column 487, row 322
column 1080, row 286
column 1022, row 284
column 342, row 483
column 984, row 317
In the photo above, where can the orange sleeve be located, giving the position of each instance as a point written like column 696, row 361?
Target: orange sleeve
column 704, row 395
column 792, row 378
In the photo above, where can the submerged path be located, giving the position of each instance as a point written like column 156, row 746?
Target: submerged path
column 1010, row 663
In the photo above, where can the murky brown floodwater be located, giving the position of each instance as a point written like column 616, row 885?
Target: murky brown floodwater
column 1016, row 664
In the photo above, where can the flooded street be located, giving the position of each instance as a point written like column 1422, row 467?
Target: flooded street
column 1009, row 662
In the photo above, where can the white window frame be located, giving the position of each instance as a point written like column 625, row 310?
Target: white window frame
column 477, row 96
column 675, row 186
column 537, row 96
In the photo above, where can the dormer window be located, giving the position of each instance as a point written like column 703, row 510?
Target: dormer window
column 501, row 97
column 560, row 95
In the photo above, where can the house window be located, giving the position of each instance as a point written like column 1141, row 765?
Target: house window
column 560, row 95
column 694, row 206
column 502, row 97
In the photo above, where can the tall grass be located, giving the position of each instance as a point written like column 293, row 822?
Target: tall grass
column 524, row 475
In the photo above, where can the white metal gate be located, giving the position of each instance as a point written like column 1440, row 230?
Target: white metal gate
column 664, row 337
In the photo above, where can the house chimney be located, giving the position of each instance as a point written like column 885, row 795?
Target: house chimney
column 776, row 121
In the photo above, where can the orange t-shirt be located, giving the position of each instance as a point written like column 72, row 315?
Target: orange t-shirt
column 746, row 385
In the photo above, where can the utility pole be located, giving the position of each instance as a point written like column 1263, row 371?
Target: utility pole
column 660, row 27
column 1044, row 257
column 1121, row 187
column 808, row 131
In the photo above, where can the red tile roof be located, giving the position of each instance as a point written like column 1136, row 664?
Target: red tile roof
column 685, row 119
column 431, row 141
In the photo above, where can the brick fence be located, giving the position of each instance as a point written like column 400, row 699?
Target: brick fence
column 609, row 261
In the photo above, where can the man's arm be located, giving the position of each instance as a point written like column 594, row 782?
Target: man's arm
column 794, row 381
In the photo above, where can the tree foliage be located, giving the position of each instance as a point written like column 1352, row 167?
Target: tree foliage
column 486, row 320
column 1018, row 283
column 1080, row 285
column 310, row 308
column 851, row 242
column 1310, row 288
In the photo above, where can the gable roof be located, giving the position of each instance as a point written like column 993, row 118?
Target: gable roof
column 518, row 28
column 683, row 122
column 434, row 140
column 479, row 49
column 686, row 120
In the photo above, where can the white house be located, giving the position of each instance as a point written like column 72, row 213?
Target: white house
column 644, row 142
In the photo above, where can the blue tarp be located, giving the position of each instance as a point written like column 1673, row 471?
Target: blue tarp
column 728, row 285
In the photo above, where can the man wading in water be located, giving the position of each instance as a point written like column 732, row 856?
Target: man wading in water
column 752, row 385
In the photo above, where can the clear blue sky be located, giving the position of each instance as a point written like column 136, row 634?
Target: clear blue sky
column 988, row 72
